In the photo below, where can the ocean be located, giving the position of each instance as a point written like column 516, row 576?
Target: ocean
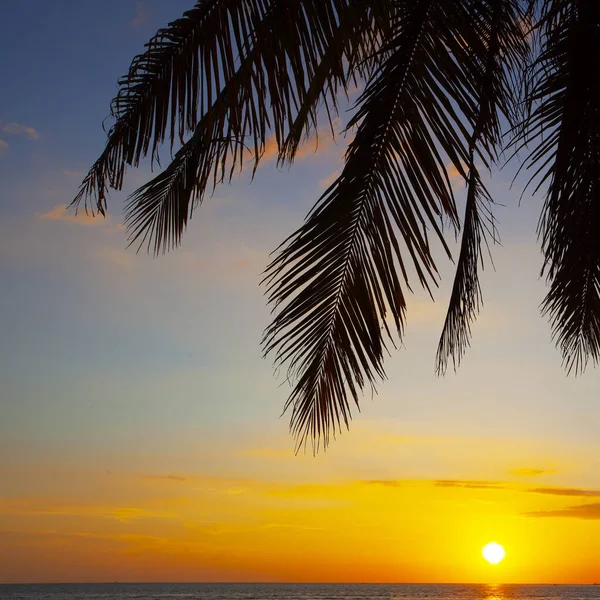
column 293, row 591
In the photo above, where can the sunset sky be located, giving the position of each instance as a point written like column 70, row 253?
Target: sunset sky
column 140, row 429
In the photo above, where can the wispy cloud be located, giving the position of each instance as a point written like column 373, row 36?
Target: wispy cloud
column 166, row 478
column 19, row 129
column 327, row 181
column 142, row 14
column 119, row 258
column 74, row 174
column 470, row 485
column 476, row 484
column 394, row 483
column 581, row 511
column 445, row 483
column 44, row 507
column 532, row 472
column 319, row 143
column 3, row 148
column 60, row 213
column 573, row 492
column 456, row 179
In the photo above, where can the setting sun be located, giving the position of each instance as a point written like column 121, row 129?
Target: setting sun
column 493, row 553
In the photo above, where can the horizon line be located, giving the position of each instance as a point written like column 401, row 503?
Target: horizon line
column 215, row 582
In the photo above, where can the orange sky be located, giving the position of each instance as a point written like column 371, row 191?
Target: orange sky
column 299, row 518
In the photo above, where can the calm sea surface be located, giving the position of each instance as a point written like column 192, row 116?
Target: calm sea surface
column 276, row 591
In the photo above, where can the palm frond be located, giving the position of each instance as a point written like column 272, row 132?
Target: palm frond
column 180, row 77
column 336, row 278
column 158, row 212
column 564, row 128
column 351, row 55
column 504, row 54
column 281, row 47
column 161, row 83
column 443, row 78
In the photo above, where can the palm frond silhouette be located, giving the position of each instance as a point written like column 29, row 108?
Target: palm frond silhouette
column 447, row 84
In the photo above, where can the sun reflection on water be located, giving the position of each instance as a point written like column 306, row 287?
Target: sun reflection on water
column 496, row 591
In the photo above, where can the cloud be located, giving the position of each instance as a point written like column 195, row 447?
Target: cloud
column 453, row 172
column 468, row 484
column 37, row 536
column 166, row 478
column 474, row 484
column 3, row 148
column 327, row 181
column 581, row 511
column 59, row 213
column 532, row 472
column 270, row 148
column 74, row 174
column 119, row 258
column 385, row 482
column 573, row 492
column 320, row 142
column 456, row 179
column 43, row 507
column 142, row 14
column 446, row 483
column 354, row 88
column 18, row 129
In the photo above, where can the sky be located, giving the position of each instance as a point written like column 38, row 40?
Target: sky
column 140, row 428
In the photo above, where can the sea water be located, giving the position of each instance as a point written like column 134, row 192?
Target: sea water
column 293, row 591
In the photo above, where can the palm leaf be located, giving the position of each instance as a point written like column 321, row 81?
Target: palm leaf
column 505, row 53
column 180, row 77
column 564, row 128
column 283, row 46
column 336, row 278
column 442, row 79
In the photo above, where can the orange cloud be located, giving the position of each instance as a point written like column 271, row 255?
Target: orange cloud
column 142, row 14
column 576, row 492
column 119, row 258
column 532, row 472
column 470, row 485
column 59, row 213
column 453, row 172
column 167, row 478
column 327, row 181
column 456, row 179
column 581, row 511
column 18, row 129
column 75, row 174
column 3, row 147
column 321, row 142
column 270, row 148
column 385, row 482
column 44, row 507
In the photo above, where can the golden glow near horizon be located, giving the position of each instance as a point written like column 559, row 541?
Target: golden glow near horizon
column 493, row 552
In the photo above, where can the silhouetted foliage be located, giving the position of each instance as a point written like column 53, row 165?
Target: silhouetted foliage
column 448, row 84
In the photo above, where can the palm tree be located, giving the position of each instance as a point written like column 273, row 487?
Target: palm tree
column 447, row 84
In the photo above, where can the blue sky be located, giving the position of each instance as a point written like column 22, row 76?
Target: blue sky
column 112, row 362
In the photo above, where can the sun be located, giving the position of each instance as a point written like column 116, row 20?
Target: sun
column 493, row 553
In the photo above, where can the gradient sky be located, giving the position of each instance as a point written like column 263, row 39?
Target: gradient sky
column 140, row 436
